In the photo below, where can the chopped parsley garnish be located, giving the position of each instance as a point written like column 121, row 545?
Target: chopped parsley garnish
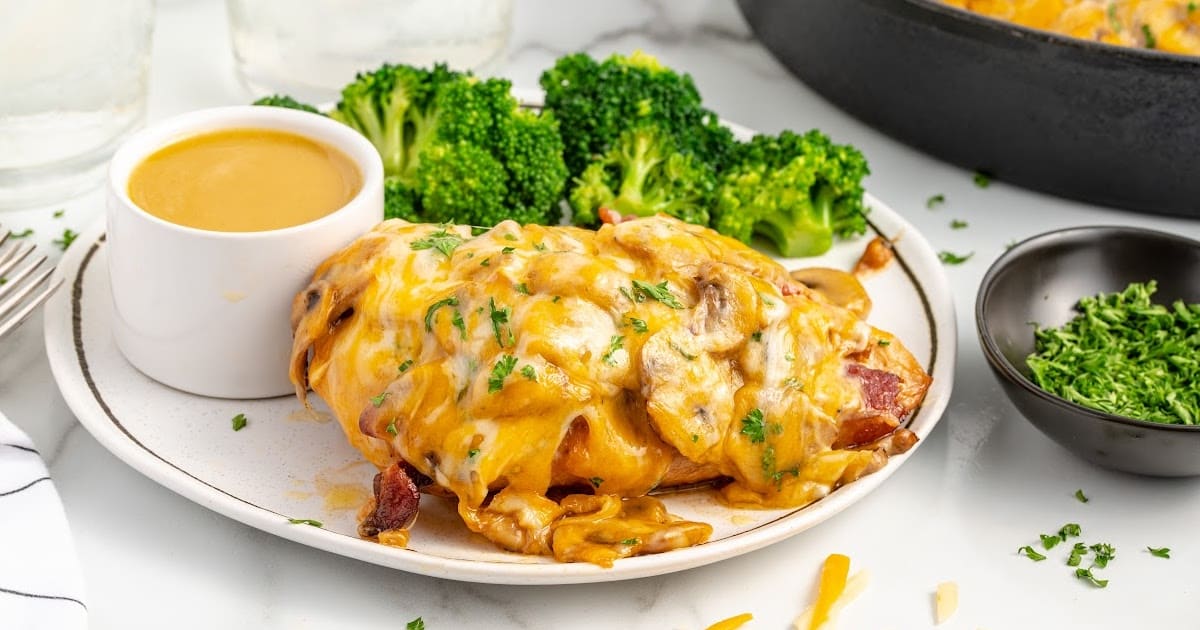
column 982, row 180
column 631, row 541
column 58, row 214
column 1113, row 21
column 68, row 237
column 405, row 365
column 1086, row 574
column 306, row 521
column 1191, row 6
column 935, row 201
column 1077, row 553
column 457, row 321
column 681, row 351
column 695, row 438
column 884, row 342
column 957, row 224
column 378, row 400
column 1049, row 541
column 768, row 461
column 26, row 233
column 639, row 325
column 541, row 247
column 507, row 250
column 756, row 335
column 510, row 237
column 1151, row 42
column 529, row 373
column 789, row 356
column 239, row 422
column 499, row 317
column 472, row 453
column 433, row 308
column 1080, row 496
column 753, row 426
column 1103, row 552
column 1009, row 245
column 658, row 292
column 391, row 428
column 1126, row 356
column 1068, row 530
column 415, row 624
column 596, row 481
column 441, row 240
column 1031, row 554
column 1161, row 552
column 521, row 288
column 556, row 299
column 950, row 258
column 614, row 344
column 794, row 383
column 500, row 371
column 486, row 262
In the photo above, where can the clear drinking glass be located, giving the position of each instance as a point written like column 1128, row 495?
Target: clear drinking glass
column 72, row 85
column 310, row 49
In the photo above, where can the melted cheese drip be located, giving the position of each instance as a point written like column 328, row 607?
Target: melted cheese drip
column 516, row 365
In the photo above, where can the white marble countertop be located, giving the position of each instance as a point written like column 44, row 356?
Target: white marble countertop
column 985, row 483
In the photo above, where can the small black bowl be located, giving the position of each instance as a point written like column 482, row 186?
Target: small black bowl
column 1040, row 280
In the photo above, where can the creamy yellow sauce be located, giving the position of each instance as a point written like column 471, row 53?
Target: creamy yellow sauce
column 1168, row 25
column 244, row 180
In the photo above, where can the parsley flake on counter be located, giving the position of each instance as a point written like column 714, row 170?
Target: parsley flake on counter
column 415, row 624
column 500, row 371
column 1103, row 553
column 1161, row 552
column 239, row 422
column 658, row 292
column 982, row 179
column 58, row 214
column 957, row 224
column 1086, row 574
column 1049, row 541
column 1031, row 554
column 935, row 201
column 1151, row 42
column 26, row 233
column 1080, row 496
column 68, row 237
column 614, row 344
column 441, row 240
column 306, row 521
column 596, row 481
column 433, row 308
column 378, row 400
column 404, row 366
column 950, row 258
column 1077, row 553
column 529, row 373
column 391, row 428
column 753, row 426
column 639, row 325
column 1068, row 530
column 1125, row 355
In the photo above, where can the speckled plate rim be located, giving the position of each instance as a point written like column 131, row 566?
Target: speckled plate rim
column 69, row 363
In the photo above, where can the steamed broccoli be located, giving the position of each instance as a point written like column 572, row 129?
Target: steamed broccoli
column 281, row 100
column 596, row 101
column 798, row 191
column 456, row 148
column 644, row 174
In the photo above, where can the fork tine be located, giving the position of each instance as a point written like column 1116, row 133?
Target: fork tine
column 12, row 282
column 9, row 261
column 18, row 316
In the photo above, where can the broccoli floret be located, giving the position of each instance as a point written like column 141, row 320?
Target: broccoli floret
column 596, row 101
column 282, row 100
column 644, row 174
column 797, row 191
column 456, row 148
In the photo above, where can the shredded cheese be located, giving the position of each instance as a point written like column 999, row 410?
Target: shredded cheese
column 945, row 601
column 851, row 589
column 732, row 623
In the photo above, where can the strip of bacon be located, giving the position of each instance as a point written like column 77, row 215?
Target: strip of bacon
column 396, row 501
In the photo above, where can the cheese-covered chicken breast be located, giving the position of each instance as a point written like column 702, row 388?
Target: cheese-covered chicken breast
column 548, row 378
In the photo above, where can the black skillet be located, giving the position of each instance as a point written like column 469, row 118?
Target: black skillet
column 1097, row 123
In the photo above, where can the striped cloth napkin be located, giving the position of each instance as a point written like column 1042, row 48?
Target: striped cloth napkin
column 40, row 583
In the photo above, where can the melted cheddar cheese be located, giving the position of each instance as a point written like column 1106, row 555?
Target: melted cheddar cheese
column 535, row 362
column 1169, row 25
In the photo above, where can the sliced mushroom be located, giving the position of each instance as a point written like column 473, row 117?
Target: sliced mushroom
column 837, row 286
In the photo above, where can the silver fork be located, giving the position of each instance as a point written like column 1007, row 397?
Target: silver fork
column 23, row 288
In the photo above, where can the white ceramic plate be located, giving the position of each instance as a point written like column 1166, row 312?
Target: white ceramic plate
column 288, row 464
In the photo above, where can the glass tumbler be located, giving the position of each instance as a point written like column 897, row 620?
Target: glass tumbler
column 72, row 85
column 310, row 49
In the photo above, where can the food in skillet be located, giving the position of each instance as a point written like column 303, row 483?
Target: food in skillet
column 548, row 378
column 1170, row 25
